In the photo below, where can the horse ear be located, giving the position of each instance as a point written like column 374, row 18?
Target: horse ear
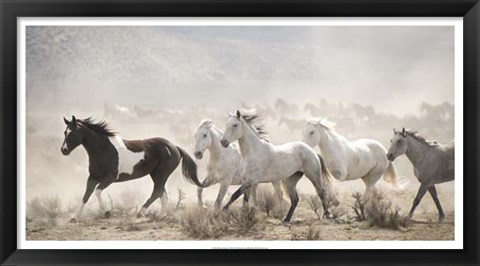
column 209, row 123
column 74, row 120
column 238, row 114
column 394, row 131
column 66, row 121
column 404, row 132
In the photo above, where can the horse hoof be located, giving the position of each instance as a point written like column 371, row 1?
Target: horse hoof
column 73, row 221
column 108, row 214
column 225, row 208
column 441, row 219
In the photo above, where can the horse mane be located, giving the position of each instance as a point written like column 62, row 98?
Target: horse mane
column 253, row 120
column 205, row 123
column 208, row 123
column 100, row 127
column 323, row 122
column 414, row 134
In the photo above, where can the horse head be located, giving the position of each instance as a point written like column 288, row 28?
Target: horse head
column 73, row 136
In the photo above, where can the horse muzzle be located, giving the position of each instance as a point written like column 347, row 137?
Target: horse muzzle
column 65, row 151
column 390, row 157
column 198, row 155
column 224, row 143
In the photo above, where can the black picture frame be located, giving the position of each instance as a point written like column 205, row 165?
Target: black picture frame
column 10, row 10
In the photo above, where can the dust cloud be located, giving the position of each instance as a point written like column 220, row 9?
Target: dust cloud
column 162, row 81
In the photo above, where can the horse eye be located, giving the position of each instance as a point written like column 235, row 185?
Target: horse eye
column 311, row 132
column 235, row 125
column 204, row 135
column 398, row 141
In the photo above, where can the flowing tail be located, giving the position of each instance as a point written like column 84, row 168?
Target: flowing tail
column 390, row 174
column 189, row 168
column 209, row 180
column 328, row 181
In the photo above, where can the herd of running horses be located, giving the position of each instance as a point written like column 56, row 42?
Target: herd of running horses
column 242, row 155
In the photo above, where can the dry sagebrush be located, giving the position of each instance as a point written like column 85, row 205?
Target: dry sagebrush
column 379, row 211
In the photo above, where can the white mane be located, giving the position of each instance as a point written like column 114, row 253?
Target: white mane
column 323, row 122
column 207, row 123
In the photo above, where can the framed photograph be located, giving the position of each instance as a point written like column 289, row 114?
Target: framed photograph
column 204, row 132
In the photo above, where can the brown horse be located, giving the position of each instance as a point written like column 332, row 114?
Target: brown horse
column 113, row 159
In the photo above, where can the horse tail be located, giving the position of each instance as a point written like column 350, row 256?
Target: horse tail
column 328, row 180
column 189, row 168
column 284, row 189
column 209, row 180
column 390, row 174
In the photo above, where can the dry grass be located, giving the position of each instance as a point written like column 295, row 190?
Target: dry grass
column 266, row 200
column 314, row 204
column 203, row 224
column 359, row 206
column 200, row 223
column 379, row 211
column 243, row 220
column 46, row 208
column 268, row 203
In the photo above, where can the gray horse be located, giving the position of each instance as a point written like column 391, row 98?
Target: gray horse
column 433, row 163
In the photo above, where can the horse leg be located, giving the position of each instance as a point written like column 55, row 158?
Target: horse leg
column 247, row 195
column 221, row 194
column 321, row 193
column 91, row 184
column 433, row 192
column 291, row 187
column 164, row 201
column 421, row 192
column 199, row 196
column 159, row 176
column 243, row 188
column 370, row 179
column 98, row 194
column 253, row 194
column 157, row 192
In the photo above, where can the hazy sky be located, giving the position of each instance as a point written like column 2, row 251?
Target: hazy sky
column 393, row 69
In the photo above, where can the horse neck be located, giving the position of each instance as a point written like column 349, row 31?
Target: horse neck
column 215, row 148
column 330, row 142
column 94, row 143
column 250, row 142
column 415, row 151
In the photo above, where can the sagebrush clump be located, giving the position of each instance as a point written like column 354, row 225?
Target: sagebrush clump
column 379, row 211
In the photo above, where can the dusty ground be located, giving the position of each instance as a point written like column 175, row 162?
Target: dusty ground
column 304, row 226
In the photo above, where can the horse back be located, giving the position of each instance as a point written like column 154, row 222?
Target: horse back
column 153, row 147
column 134, row 145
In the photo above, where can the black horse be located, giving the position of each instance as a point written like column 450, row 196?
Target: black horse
column 112, row 159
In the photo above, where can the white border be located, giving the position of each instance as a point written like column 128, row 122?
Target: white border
column 213, row 21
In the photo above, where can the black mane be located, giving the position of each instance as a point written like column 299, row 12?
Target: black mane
column 100, row 127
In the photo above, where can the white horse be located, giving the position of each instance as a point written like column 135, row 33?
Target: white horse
column 265, row 162
column 225, row 165
column 350, row 160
